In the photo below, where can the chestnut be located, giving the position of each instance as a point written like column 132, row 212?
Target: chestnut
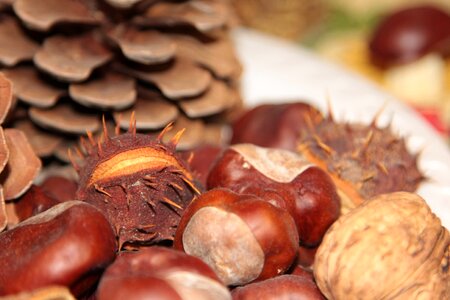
column 60, row 188
column 306, row 256
column 275, row 125
column 281, row 287
column 241, row 237
column 160, row 273
column 302, row 271
column 408, row 34
column 69, row 244
column 285, row 179
column 33, row 202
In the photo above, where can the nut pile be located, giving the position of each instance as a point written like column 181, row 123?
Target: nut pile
column 245, row 222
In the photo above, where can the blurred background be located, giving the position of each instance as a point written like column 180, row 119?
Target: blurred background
column 414, row 35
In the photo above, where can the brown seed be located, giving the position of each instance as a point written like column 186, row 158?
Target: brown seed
column 59, row 187
column 160, row 273
column 284, row 179
column 306, row 256
column 275, row 125
column 410, row 33
column 71, row 244
column 23, row 165
column 241, row 237
column 33, row 202
column 281, row 287
column 16, row 46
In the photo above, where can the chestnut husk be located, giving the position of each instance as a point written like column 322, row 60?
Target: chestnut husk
column 140, row 183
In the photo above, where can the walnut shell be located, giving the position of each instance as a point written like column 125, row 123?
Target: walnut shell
column 392, row 246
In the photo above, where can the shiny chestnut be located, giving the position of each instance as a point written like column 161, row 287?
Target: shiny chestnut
column 281, row 287
column 33, row 202
column 242, row 237
column 69, row 244
column 284, row 179
column 275, row 125
column 160, row 273
column 409, row 34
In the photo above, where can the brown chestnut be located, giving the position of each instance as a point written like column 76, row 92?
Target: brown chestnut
column 306, row 256
column 409, row 34
column 281, row 287
column 160, row 273
column 302, row 271
column 33, row 202
column 60, row 188
column 241, row 237
column 69, row 244
column 274, row 125
column 284, row 179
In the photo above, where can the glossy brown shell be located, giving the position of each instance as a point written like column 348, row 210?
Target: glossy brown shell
column 409, row 34
column 68, row 244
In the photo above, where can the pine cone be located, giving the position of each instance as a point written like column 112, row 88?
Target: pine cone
column 72, row 61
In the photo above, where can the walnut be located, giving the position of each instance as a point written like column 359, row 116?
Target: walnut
column 392, row 246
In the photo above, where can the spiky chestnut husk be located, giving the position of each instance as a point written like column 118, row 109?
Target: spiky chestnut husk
column 139, row 182
column 364, row 160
